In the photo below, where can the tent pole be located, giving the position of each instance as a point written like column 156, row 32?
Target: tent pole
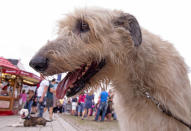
column 13, row 95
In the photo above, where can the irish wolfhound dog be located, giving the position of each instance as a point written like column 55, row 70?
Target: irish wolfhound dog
column 150, row 77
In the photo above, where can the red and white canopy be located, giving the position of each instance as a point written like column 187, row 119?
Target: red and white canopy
column 8, row 68
column 6, row 64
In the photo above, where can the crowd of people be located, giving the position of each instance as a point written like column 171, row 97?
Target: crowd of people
column 83, row 106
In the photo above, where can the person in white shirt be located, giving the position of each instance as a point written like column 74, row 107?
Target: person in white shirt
column 41, row 94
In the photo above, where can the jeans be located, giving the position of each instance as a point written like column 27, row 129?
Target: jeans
column 81, row 107
column 41, row 106
column 28, row 105
column 102, row 107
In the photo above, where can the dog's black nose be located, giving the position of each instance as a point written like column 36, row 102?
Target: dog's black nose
column 39, row 63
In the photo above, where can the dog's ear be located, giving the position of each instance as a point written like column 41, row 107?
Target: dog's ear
column 130, row 23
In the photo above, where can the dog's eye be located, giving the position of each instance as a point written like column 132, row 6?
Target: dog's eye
column 83, row 26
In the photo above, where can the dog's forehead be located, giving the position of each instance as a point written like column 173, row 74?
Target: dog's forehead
column 90, row 12
column 87, row 14
column 23, row 111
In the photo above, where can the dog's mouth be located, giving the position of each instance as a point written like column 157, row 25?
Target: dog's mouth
column 23, row 115
column 76, row 80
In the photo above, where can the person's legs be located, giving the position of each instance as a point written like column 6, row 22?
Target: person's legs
column 49, row 103
column 83, row 106
column 41, row 110
column 50, row 112
column 104, row 111
column 30, row 106
column 23, row 104
column 75, row 105
column 89, row 112
column 98, row 111
column 79, row 109
column 33, row 110
column 26, row 105
column 40, row 107
column 108, row 113
column 74, row 111
column 45, row 109
column 84, row 113
column 50, row 108
column 63, row 108
column 73, row 108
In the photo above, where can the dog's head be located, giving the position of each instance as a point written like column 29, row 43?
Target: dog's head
column 24, row 113
column 91, row 43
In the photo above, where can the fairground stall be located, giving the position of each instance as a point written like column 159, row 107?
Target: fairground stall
column 11, row 82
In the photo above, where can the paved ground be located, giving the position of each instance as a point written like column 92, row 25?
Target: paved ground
column 62, row 122
column 59, row 124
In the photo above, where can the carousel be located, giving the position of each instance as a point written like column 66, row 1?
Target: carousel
column 12, row 80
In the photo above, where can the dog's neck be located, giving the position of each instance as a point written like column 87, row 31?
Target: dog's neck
column 148, row 70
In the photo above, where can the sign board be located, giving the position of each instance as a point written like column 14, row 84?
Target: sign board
column 4, row 104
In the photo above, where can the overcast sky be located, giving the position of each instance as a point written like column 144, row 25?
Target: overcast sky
column 26, row 25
